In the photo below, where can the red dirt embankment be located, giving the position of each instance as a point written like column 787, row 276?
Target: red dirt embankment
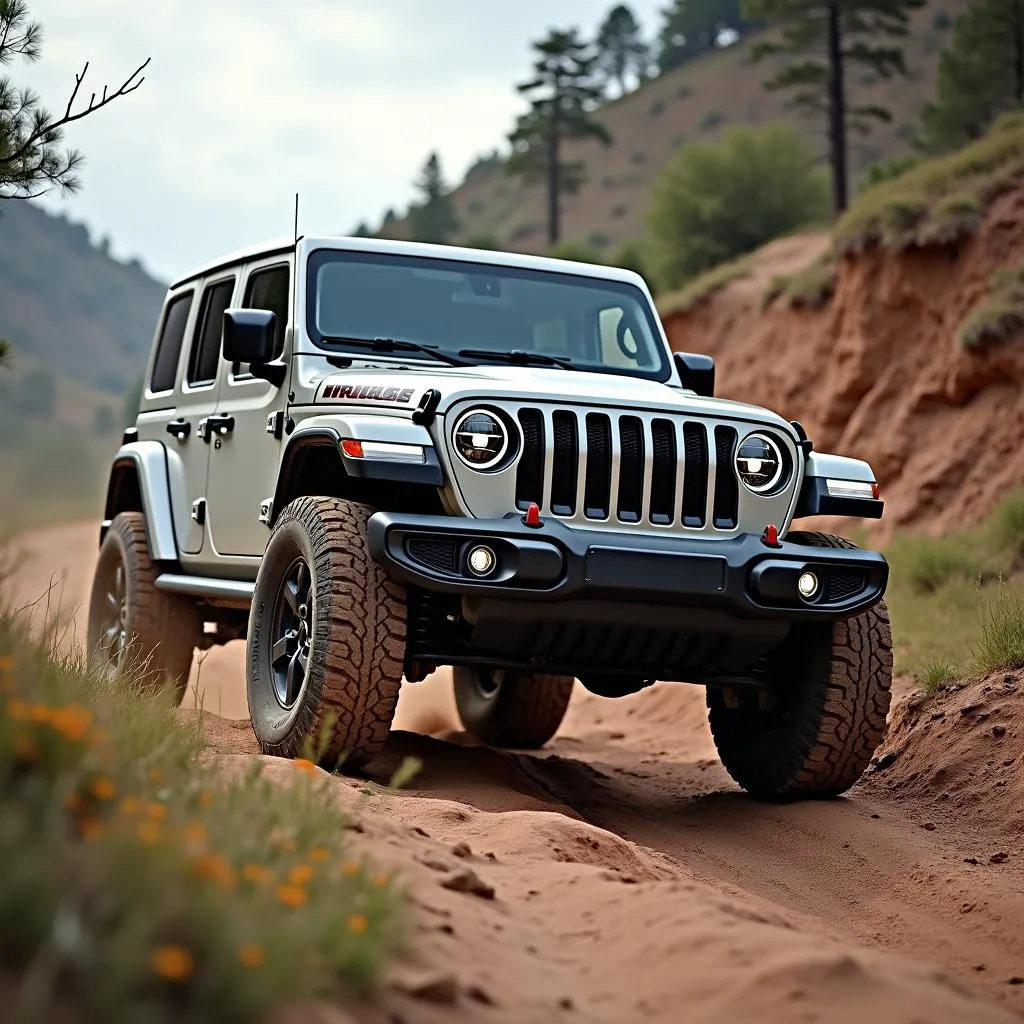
column 876, row 374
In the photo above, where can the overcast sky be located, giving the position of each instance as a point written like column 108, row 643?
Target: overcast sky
column 248, row 101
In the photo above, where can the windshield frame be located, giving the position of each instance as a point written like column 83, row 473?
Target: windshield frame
column 322, row 256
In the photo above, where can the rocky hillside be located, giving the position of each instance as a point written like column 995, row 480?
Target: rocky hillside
column 916, row 361
column 691, row 104
column 66, row 303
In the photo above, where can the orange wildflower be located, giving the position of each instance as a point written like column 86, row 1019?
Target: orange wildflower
column 350, row 868
column 24, row 749
column 71, row 722
column 91, row 829
column 380, row 881
column 40, row 713
column 251, row 955
column 149, row 833
column 130, row 806
column 319, row 854
column 205, row 799
column 17, row 709
column 155, row 775
column 102, row 789
column 300, row 874
column 6, row 665
column 292, row 895
column 157, row 812
column 357, row 923
column 174, row 963
column 256, row 873
column 215, row 868
column 303, row 764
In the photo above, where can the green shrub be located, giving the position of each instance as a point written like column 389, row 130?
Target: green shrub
column 714, row 203
column 702, row 287
column 936, row 673
column 1008, row 524
column 810, row 288
column 1001, row 643
column 927, row 563
column 997, row 318
column 631, row 256
column 144, row 883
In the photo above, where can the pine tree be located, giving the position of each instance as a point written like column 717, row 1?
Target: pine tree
column 622, row 48
column 432, row 219
column 981, row 75
column 32, row 159
column 692, row 27
column 851, row 34
column 562, row 94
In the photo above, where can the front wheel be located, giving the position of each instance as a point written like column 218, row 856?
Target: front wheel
column 832, row 688
column 326, row 637
column 511, row 709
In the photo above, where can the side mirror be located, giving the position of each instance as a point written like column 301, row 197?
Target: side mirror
column 697, row 372
column 249, row 335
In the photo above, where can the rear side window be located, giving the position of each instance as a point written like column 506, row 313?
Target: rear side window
column 168, row 348
column 202, row 365
column 268, row 289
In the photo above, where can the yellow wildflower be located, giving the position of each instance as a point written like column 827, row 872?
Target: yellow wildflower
column 174, row 963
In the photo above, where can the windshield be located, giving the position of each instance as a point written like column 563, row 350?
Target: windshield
column 478, row 308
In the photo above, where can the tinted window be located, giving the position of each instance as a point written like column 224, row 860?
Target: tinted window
column 268, row 289
column 168, row 348
column 599, row 324
column 202, row 366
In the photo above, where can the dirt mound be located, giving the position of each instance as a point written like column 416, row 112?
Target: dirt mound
column 961, row 753
column 876, row 374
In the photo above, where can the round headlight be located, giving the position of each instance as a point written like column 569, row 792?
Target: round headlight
column 481, row 439
column 758, row 463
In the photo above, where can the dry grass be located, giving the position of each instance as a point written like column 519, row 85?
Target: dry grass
column 810, row 288
column 1001, row 643
column 1000, row 317
column 702, row 287
column 939, row 201
column 142, row 885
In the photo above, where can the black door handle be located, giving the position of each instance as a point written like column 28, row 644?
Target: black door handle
column 215, row 425
column 179, row 428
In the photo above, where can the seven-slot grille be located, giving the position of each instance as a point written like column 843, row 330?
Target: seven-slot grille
column 605, row 465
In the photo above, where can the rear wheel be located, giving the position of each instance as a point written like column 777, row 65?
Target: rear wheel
column 132, row 626
column 326, row 637
column 511, row 709
column 832, row 688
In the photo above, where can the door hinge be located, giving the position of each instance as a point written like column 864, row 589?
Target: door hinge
column 199, row 511
column 266, row 508
column 275, row 424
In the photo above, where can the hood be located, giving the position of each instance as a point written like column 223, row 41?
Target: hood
column 401, row 387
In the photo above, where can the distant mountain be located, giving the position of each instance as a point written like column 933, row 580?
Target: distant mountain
column 69, row 304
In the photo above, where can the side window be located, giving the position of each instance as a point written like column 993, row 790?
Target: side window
column 168, row 348
column 268, row 289
column 205, row 354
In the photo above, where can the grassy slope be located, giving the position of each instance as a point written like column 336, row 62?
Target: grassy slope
column 690, row 104
column 144, row 883
column 66, row 303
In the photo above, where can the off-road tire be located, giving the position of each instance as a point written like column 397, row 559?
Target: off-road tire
column 159, row 631
column 834, row 683
column 357, row 631
column 521, row 712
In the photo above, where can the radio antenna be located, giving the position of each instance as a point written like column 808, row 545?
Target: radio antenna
column 296, row 218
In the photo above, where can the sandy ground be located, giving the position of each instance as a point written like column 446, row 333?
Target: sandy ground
column 620, row 876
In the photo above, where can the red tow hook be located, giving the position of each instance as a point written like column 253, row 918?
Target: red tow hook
column 532, row 517
column 770, row 537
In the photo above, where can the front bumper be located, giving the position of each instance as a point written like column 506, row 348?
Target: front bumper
column 740, row 576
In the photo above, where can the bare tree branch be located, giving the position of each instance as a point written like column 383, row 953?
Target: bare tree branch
column 128, row 86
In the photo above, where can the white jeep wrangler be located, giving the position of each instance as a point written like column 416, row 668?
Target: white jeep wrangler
column 371, row 458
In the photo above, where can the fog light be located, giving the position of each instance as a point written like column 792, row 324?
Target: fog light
column 481, row 560
column 807, row 584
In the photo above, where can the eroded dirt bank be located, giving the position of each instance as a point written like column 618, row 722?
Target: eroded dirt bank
column 620, row 876
column 876, row 374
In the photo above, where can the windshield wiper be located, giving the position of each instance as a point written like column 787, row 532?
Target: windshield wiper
column 517, row 357
column 396, row 345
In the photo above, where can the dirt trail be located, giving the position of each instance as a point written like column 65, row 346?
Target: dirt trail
column 633, row 882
